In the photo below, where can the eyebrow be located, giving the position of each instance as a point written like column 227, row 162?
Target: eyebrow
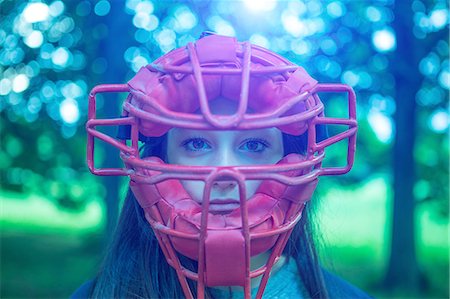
column 181, row 133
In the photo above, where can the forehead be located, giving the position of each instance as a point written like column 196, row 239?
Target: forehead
column 273, row 134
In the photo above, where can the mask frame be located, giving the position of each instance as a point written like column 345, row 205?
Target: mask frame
column 306, row 171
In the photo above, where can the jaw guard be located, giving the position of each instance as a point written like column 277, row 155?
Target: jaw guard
column 265, row 211
column 166, row 94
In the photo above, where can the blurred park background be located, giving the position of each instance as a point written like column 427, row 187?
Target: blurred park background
column 384, row 226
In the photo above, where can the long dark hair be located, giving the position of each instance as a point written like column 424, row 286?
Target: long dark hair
column 134, row 263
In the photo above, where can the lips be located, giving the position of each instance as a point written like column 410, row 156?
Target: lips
column 224, row 201
column 223, row 205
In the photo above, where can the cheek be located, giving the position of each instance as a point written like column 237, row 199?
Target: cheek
column 194, row 188
column 250, row 187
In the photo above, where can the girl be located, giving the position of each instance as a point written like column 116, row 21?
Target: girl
column 233, row 143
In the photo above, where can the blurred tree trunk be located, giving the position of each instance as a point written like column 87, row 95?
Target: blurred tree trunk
column 112, row 48
column 403, row 270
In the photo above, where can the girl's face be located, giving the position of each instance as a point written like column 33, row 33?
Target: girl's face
column 223, row 148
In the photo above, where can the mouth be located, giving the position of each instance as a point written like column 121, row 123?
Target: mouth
column 223, row 206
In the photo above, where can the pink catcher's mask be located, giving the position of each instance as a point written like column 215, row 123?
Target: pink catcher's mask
column 168, row 94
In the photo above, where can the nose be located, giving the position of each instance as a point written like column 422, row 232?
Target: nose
column 225, row 157
column 224, row 185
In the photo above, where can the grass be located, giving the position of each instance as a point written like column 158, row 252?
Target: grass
column 35, row 214
column 355, row 230
column 48, row 253
column 46, row 265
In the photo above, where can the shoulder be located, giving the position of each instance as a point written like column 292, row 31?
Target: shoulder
column 83, row 291
column 339, row 288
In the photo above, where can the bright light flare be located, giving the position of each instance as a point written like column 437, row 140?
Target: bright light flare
column 439, row 18
column 260, row 5
column 439, row 121
column 60, row 57
column 20, row 83
column 34, row 39
column 36, row 12
column 381, row 125
column 68, row 109
column 220, row 26
column 292, row 24
column 384, row 40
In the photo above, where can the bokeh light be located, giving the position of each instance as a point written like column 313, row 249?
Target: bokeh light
column 5, row 86
column 373, row 14
column 292, row 24
column 83, row 8
column 381, row 124
column 69, row 111
column 60, row 57
column 384, row 40
column 444, row 78
column 185, row 19
column 56, row 8
column 145, row 7
column 336, row 9
column 260, row 5
column 220, row 26
column 36, row 12
column 34, row 39
column 439, row 121
column 20, row 83
column 439, row 18
column 102, row 8
column 260, row 40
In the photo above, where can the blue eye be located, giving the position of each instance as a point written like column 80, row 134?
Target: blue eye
column 254, row 145
column 196, row 144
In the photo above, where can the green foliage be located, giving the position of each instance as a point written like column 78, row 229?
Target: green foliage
column 37, row 159
column 50, row 59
